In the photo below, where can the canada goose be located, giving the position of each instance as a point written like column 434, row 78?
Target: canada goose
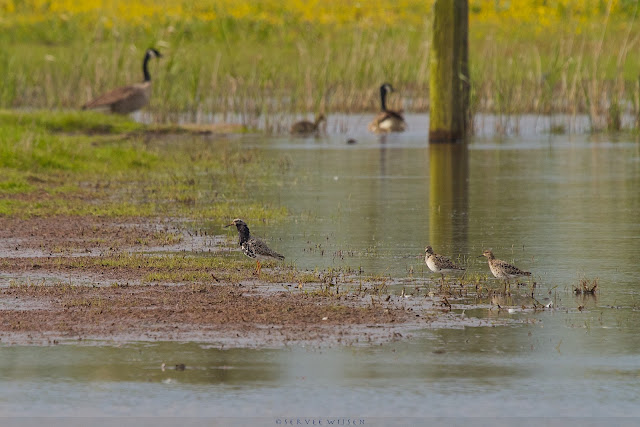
column 306, row 127
column 387, row 120
column 127, row 99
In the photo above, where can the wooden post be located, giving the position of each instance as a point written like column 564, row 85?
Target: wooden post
column 449, row 78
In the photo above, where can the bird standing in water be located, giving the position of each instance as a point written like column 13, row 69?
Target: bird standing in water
column 502, row 269
column 251, row 246
column 439, row 263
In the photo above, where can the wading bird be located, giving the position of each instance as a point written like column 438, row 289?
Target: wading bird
column 439, row 263
column 251, row 246
column 502, row 269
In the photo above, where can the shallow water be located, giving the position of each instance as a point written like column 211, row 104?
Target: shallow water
column 560, row 206
column 563, row 207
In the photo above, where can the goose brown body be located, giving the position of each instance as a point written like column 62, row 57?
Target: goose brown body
column 123, row 100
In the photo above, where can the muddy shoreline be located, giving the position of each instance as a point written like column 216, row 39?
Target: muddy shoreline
column 66, row 279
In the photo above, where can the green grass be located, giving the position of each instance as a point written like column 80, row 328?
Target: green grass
column 34, row 142
column 58, row 163
column 244, row 71
column 172, row 268
column 70, row 121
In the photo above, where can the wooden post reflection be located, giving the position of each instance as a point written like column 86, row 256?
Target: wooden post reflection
column 448, row 197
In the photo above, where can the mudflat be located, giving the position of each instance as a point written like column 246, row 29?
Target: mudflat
column 92, row 278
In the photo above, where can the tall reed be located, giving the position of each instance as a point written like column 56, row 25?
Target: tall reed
column 263, row 62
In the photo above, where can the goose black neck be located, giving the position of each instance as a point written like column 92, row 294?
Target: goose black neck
column 243, row 232
column 145, row 68
column 383, row 98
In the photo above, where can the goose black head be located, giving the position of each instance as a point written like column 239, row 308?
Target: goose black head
column 153, row 53
column 150, row 53
column 386, row 88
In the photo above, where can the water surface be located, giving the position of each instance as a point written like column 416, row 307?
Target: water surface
column 562, row 206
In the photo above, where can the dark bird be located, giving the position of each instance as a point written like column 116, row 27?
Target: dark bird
column 253, row 247
column 127, row 99
column 387, row 120
column 305, row 127
column 439, row 263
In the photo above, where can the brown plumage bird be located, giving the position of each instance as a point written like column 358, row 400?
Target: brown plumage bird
column 305, row 127
column 251, row 246
column 127, row 99
column 502, row 269
column 387, row 120
column 439, row 263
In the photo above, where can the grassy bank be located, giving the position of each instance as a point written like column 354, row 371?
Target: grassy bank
column 261, row 59
column 82, row 163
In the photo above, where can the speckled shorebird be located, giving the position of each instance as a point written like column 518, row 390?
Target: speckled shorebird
column 387, row 120
column 253, row 247
column 439, row 263
column 502, row 269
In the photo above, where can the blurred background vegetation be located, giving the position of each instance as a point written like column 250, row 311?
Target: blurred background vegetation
column 252, row 60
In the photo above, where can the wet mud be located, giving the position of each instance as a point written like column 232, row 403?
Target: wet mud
column 45, row 299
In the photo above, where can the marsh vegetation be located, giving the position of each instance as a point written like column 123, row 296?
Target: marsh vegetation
column 90, row 164
column 260, row 63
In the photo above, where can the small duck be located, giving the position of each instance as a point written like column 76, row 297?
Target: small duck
column 305, row 127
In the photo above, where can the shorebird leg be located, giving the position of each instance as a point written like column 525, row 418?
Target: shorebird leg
column 442, row 281
column 258, row 267
column 507, row 283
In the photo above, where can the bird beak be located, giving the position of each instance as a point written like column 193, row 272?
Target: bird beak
column 480, row 256
column 228, row 225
